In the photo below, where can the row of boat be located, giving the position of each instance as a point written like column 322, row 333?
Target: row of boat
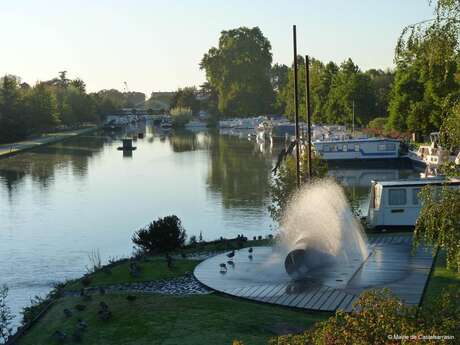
column 392, row 203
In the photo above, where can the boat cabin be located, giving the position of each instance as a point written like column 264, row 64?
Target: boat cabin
column 366, row 148
column 397, row 203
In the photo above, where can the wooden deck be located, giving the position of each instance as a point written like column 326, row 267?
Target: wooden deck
column 262, row 278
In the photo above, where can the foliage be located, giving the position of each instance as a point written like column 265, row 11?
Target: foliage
column 5, row 316
column 186, row 98
column 239, row 70
column 439, row 222
column 26, row 110
column 334, row 89
column 378, row 123
column 279, row 78
column 426, row 82
column 13, row 123
column 378, row 317
column 284, row 183
column 161, row 236
column 181, row 116
column 450, row 129
column 41, row 108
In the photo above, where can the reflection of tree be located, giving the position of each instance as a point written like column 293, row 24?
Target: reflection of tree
column 10, row 178
column 41, row 163
column 188, row 141
column 238, row 172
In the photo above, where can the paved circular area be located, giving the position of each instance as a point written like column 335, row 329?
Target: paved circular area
column 259, row 275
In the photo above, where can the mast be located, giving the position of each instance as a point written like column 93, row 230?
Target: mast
column 296, row 102
column 308, row 109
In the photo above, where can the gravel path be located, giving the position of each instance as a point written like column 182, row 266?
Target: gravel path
column 185, row 285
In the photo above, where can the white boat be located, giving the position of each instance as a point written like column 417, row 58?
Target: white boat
column 431, row 156
column 396, row 203
column 351, row 149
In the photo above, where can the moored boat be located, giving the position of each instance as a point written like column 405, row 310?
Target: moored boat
column 353, row 149
column 397, row 204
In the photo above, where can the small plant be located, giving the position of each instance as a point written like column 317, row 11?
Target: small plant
column 95, row 261
column 5, row 316
column 161, row 236
column 192, row 241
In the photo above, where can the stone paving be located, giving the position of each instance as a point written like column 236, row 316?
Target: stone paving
column 185, row 285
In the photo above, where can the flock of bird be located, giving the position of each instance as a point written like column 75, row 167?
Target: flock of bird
column 224, row 266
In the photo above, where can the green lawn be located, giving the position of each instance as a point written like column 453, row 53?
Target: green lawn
column 440, row 279
column 151, row 269
column 167, row 320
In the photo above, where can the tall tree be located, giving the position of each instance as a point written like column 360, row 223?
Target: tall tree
column 426, row 82
column 279, row 79
column 239, row 69
column 13, row 122
column 41, row 107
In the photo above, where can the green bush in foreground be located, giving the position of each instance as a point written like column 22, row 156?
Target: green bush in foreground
column 380, row 318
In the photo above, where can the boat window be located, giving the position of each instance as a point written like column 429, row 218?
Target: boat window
column 345, row 148
column 377, row 196
column 381, row 147
column 357, row 147
column 334, row 148
column 415, row 197
column 391, row 147
column 397, row 196
column 326, row 148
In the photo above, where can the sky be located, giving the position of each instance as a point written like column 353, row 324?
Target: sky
column 157, row 45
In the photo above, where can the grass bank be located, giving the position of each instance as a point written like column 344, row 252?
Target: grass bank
column 150, row 269
column 160, row 319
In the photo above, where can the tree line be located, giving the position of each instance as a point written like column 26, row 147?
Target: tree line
column 243, row 82
column 26, row 110
column 415, row 97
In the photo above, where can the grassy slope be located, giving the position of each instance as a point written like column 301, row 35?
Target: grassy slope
column 151, row 269
column 159, row 319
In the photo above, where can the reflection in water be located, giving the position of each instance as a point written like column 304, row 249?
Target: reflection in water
column 239, row 172
column 59, row 202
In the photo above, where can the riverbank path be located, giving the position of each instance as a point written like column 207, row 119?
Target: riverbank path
column 10, row 149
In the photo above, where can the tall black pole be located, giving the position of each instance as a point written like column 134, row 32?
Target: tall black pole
column 308, row 107
column 296, row 102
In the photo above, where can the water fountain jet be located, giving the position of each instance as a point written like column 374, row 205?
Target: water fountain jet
column 319, row 230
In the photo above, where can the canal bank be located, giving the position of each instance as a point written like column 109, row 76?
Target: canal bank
column 11, row 149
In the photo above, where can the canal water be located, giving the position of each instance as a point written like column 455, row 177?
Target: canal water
column 61, row 202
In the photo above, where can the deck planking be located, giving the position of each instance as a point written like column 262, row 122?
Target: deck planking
column 389, row 265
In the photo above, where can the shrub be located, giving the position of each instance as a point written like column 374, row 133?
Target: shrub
column 5, row 316
column 378, row 317
column 378, row 123
column 181, row 116
column 161, row 236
